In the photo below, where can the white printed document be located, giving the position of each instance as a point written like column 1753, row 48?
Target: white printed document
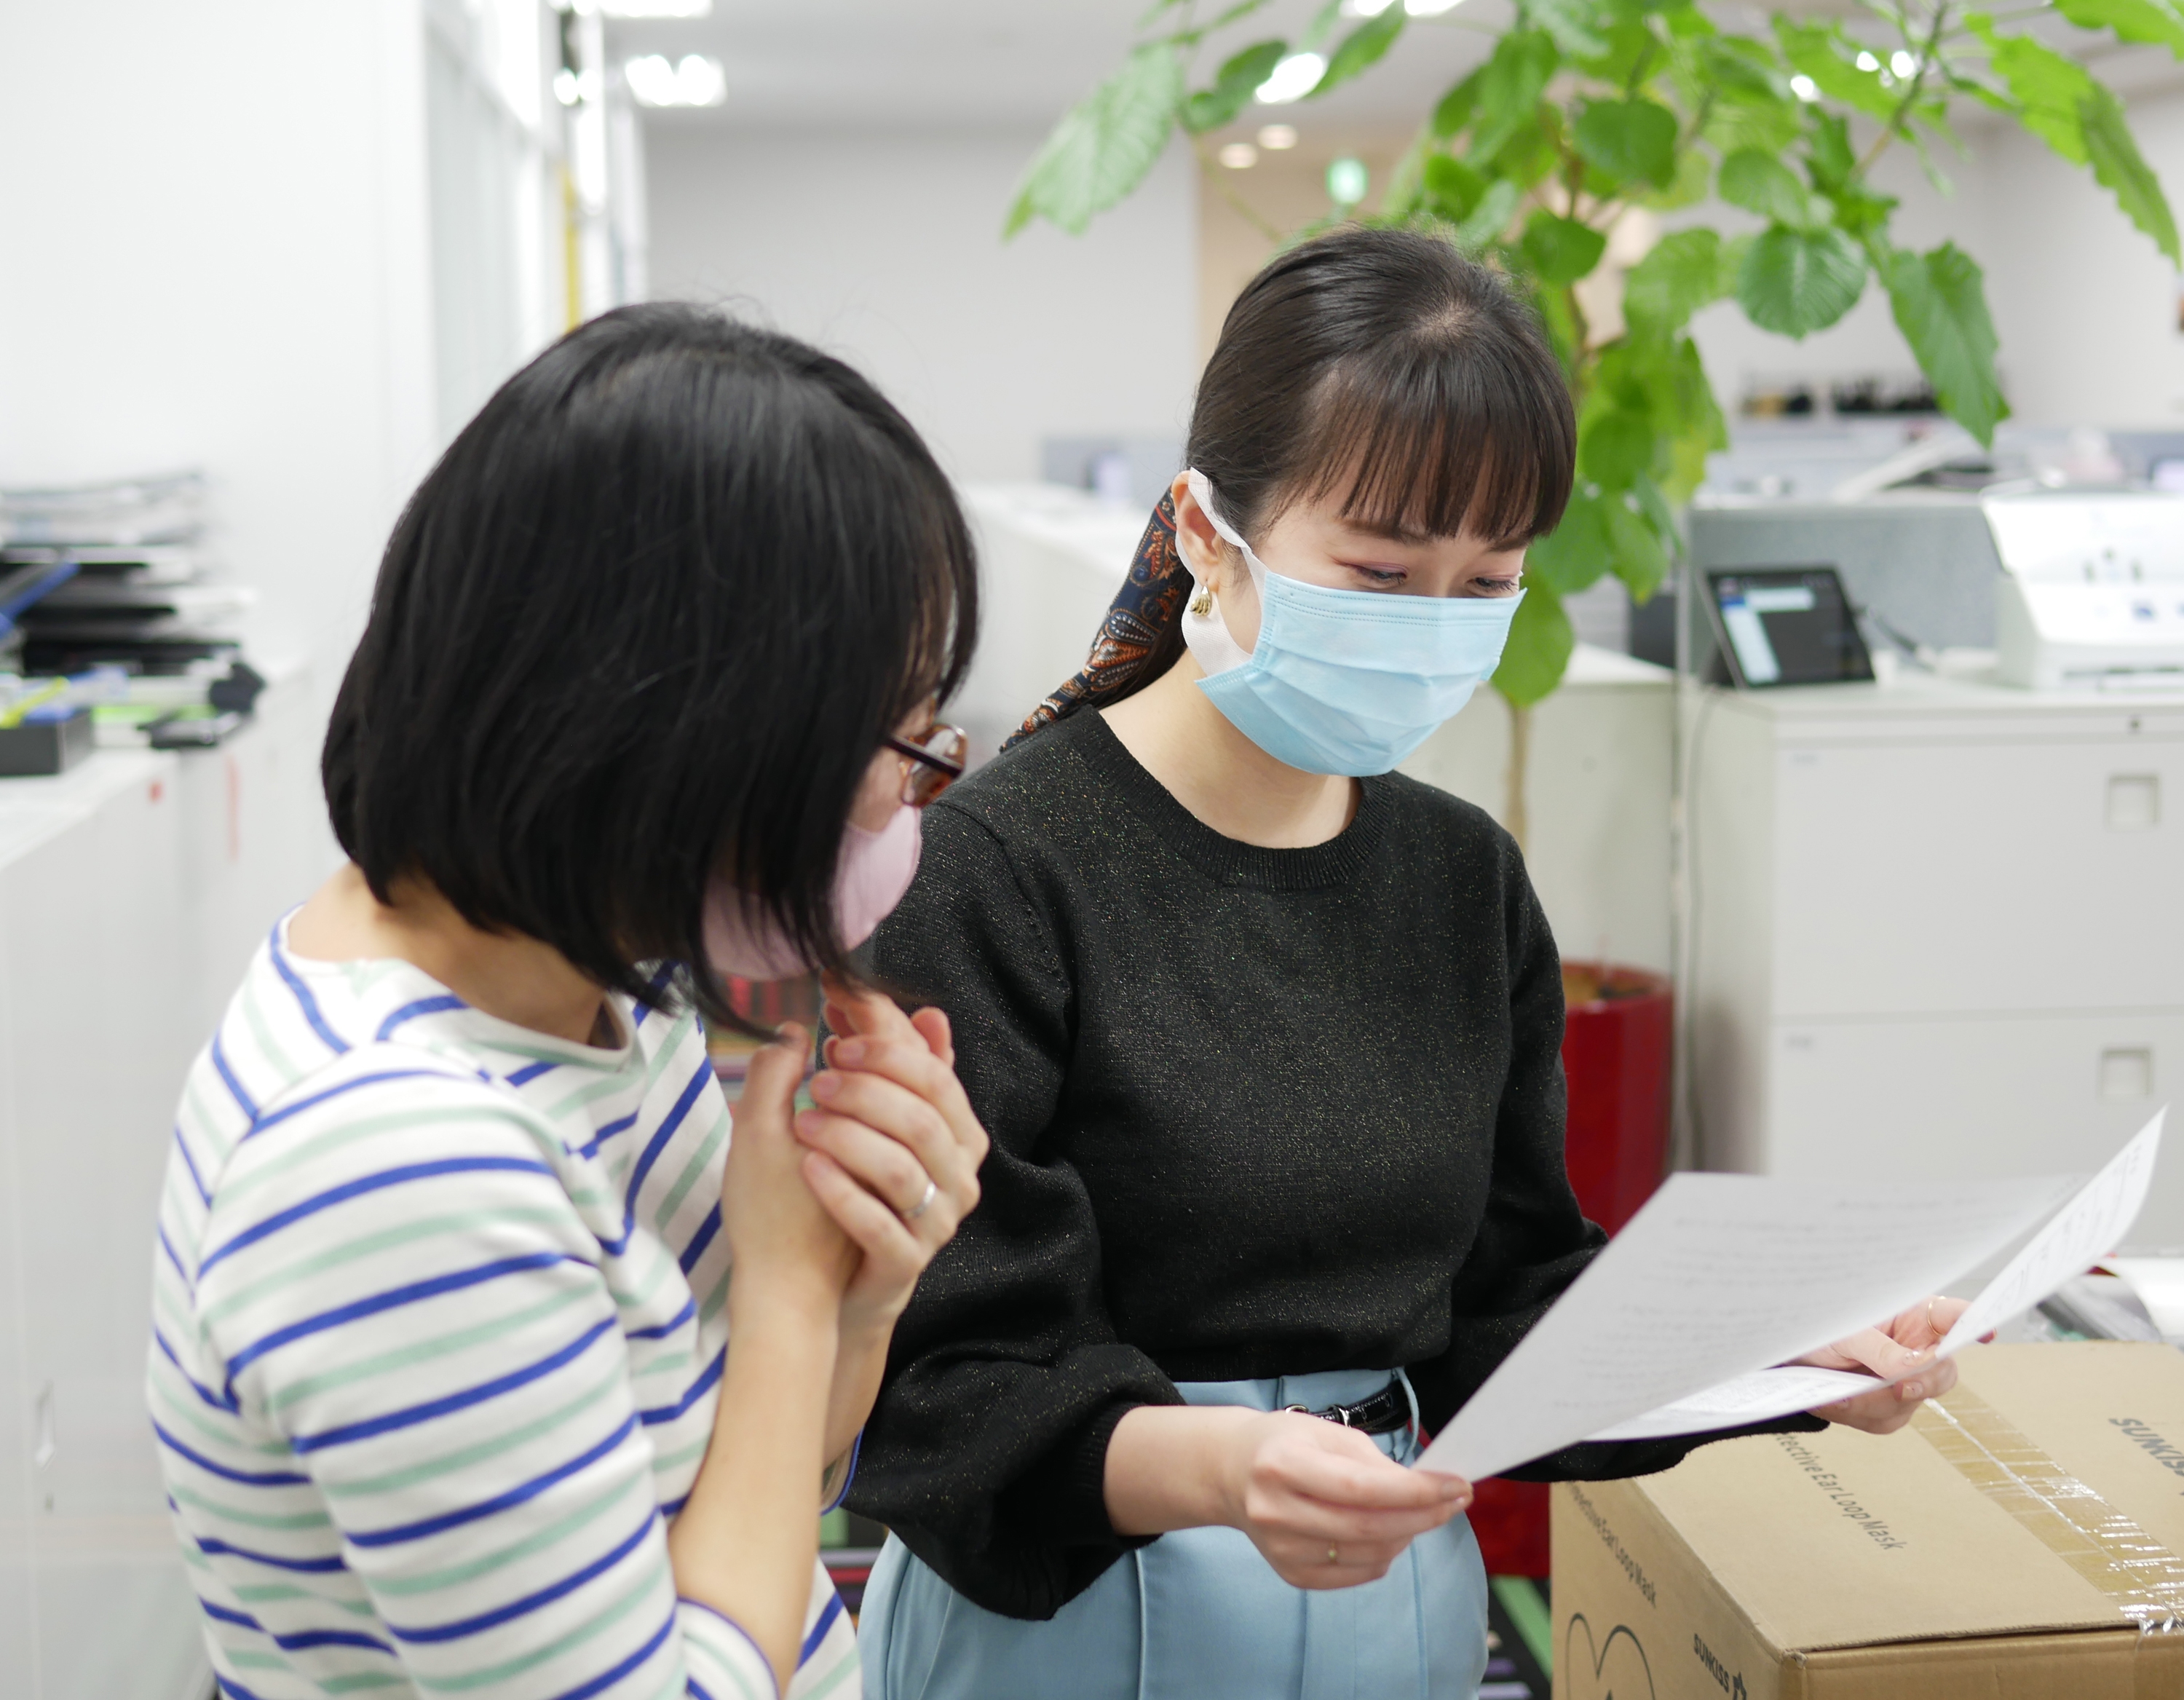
column 1722, row 1276
column 2077, row 1237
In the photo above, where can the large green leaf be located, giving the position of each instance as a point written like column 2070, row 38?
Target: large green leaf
column 1941, row 308
column 1631, row 49
column 2120, row 167
column 1613, row 447
column 1234, row 85
column 2153, row 21
column 1577, row 551
column 1535, row 153
column 1699, row 428
column 1828, row 151
column 1760, row 183
column 1742, row 68
column 2059, row 102
column 1693, row 181
column 1771, row 125
column 1823, row 53
column 1538, row 652
column 1509, row 87
column 1560, row 250
column 1799, row 281
column 1104, row 145
column 1361, row 48
column 1640, row 557
column 1681, row 275
column 1489, row 218
column 2046, row 87
column 1452, row 188
column 1454, row 109
column 1631, row 141
column 1579, row 27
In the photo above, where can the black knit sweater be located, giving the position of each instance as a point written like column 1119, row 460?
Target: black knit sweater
column 1254, row 1112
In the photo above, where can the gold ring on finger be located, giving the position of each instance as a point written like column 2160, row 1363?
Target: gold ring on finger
column 1334, row 1556
column 924, row 1204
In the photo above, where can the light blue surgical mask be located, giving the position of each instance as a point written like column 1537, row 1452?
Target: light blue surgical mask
column 1340, row 681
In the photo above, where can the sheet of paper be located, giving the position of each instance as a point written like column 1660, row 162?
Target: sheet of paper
column 2073, row 1238
column 1720, row 1275
column 2083, row 1232
column 1753, row 1398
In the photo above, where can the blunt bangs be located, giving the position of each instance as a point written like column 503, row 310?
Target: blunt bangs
column 1437, row 438
column 1383, row 363
column 647, row 621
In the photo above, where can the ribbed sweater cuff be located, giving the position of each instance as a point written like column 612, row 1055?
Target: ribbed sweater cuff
column 1078, row 1484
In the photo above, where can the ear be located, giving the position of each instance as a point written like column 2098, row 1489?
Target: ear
column 1203, row 549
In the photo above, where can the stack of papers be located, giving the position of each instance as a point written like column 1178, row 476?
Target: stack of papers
column 1675, row 1328
column 143, row 593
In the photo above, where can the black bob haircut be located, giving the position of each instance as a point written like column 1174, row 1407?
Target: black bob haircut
column 1382, row 360
column 648, row 620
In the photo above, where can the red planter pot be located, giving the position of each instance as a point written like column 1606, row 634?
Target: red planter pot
column 1616, row 1048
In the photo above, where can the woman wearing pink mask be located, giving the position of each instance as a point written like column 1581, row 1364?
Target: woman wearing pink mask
column 441, row 1374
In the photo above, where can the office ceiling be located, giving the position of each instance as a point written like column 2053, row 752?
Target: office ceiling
column 976, row 63
column 981, row 63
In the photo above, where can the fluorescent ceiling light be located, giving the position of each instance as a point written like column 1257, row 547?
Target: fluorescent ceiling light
column 1293, row 79
column 657, row 8
column 696, row 81
column 1277, row 136
column 1804, row 88
column 1430, row 8
column 1239, row 156
column 1366, row 8
column 1902, row 63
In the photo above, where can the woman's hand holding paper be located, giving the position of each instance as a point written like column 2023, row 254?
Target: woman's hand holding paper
column 1900, row 1351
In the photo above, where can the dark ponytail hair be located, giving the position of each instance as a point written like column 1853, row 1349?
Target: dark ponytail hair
column 646, row 621
column 1379, row 361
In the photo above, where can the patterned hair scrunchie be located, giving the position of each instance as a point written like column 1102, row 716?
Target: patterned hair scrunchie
column 1146, row 610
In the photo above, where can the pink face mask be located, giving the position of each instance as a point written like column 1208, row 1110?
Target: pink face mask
column 876, row 869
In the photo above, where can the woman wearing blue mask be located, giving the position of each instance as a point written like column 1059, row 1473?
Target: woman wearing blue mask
column 1266, row 1038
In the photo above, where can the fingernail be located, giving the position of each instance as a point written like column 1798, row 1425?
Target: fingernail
column 805, row 1123
column 850, row 1052
column 824, row 1086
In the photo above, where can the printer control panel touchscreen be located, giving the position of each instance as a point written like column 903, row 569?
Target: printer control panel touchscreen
column 1785, row 626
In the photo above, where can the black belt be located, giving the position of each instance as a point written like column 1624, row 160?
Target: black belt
column 1386, row 1412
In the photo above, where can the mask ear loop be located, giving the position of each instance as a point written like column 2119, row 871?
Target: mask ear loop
column 1205, row 633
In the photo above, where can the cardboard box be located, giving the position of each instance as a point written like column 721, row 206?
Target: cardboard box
column 2007, row 1545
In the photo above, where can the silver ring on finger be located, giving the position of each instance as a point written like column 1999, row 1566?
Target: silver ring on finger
column 924, row 1204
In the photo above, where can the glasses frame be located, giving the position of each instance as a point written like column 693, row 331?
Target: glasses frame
column 931, row 772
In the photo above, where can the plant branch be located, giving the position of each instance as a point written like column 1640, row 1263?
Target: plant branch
column 1217, row 174
column 1899, row 120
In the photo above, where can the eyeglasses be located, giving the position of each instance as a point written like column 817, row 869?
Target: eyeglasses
column 936, row 761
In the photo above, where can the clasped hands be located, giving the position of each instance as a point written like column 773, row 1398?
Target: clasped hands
column 846, row 1203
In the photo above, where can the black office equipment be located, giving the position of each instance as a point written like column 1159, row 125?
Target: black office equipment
column 1785, row 626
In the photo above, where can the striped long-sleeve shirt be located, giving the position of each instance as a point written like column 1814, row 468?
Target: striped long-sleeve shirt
column 437, row 1332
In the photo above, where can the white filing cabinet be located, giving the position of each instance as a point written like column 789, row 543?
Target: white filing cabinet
column 133, row 890
column 1936, row 928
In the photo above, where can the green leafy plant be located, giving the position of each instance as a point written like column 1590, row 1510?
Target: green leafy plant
column 1586, row 110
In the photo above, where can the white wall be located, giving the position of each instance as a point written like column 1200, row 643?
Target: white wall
column 885, row 248
column 219, row 257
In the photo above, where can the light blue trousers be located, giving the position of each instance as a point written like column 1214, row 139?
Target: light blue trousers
column 1198, row 1615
